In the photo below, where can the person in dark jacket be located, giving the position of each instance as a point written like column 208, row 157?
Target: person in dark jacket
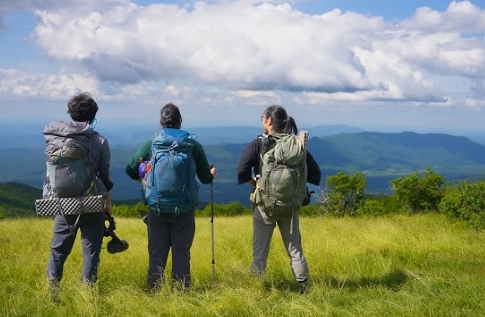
column 169, row 230
column 275, row 120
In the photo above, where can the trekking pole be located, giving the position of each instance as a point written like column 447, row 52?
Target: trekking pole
column 212, row 228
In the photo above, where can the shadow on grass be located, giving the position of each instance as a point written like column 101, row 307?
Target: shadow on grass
column 393, row 281
column 282, row 285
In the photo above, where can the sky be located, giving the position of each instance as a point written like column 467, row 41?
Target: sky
column 377, row 65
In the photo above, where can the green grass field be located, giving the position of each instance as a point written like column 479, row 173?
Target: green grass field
column 419, row 265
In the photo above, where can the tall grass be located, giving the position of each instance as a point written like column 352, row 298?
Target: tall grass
column 419, row 265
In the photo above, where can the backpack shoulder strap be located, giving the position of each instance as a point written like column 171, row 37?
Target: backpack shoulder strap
column 265, row 140
column 303, row 135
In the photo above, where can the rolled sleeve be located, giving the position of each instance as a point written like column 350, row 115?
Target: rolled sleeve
column 143, row 153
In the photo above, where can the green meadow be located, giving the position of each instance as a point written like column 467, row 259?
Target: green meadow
column 399, row 265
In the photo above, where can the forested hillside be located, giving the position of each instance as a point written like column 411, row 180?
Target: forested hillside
column 399, row 151
column 17, row 200
column 380, row 156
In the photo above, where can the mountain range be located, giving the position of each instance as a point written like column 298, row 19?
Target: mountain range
column 380, row 156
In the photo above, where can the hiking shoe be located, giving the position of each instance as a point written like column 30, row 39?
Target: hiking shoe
column 256, row 271
column 180, row 286
column 303, row 287
column 54, row 292
column 154, row 287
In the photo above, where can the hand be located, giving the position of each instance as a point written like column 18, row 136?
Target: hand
column 213, row 171
column 108, row 208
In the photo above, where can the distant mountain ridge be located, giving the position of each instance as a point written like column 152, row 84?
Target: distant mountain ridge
column 381, row 156
column 215, row 135
column 125, row 135
column 238, row 133
column 376, row 150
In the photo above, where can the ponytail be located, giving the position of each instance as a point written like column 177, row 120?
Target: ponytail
column 291, row 127
column 282, row 122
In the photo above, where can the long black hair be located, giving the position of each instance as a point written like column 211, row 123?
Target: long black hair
column 282, row 122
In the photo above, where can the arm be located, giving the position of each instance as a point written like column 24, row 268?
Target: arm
column 314, row 174
column 203, row 170
column 249, row 165
column 104, row 173
column 108, row 207
column 143, row 153
column 103, row 167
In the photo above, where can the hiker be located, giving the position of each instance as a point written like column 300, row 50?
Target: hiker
column 171, row 191
column 82, row 109
column 275, row 122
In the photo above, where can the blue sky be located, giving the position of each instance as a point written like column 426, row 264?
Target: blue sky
column 385, row 66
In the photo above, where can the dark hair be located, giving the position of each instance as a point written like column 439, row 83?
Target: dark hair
column 82, row 108
column 170, row 116
column 282, row 122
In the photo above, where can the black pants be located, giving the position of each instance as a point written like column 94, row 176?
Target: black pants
column 165, row 232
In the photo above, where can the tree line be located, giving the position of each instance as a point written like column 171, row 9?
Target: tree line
column 344, row 196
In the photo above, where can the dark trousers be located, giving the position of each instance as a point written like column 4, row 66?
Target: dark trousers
column 92, row 232
column 165, row 232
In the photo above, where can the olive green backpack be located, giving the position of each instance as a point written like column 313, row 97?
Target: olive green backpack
column 281, row 188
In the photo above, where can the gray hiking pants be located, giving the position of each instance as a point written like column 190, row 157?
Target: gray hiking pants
column 92, row 232
column 263, row 228
column 165, row 232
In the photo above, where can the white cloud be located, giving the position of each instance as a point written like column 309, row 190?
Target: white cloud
column 79, row 6
column 24, row 85
column 254, row 53
column 460, row 16
column 264, row 46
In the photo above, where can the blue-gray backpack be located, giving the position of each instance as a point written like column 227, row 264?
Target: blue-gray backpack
column 281, row 188
column 70, row 160
column 170, row 185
